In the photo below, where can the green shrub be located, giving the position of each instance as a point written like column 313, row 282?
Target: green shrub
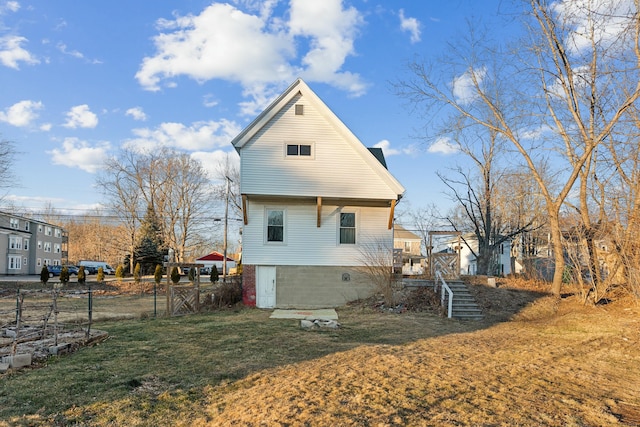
column 228, row 293
column 120, row 271
column 214, row 277
column 82, row 277
column 157, row 275
column 192, row 274
column 136, row 273
column 64, row 275
column 44, row 275
column 175, row 275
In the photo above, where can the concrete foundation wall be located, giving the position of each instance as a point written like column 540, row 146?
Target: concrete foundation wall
column 314, row 286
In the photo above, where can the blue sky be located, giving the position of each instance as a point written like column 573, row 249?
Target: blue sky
column 81, row 79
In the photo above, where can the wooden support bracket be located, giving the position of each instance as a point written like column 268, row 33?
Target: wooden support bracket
column 393, row 207
column 244, row 209
column 319, row 211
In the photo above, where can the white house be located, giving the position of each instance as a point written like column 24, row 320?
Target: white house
column 314, row 200
column 468, row 262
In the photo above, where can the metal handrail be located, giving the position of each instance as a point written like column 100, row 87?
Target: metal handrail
column 445, row 288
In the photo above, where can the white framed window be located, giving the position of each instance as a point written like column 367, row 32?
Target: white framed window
column 14, row 223
column 15, row 242
column 47, row 261
column 15, row 262
column 275, row 225
column 58, row 232
column 407, row 246
column 26, row 244
column 56, row 248
column 347, row 228
column 39, row 228
column 47, row 246
column 48, row 231
column 26, row 226
column 39, row 244
column 24, row 261
column 56, row 262
column 299, row 150
column 39, row 262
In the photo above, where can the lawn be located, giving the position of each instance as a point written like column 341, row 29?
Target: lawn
column 553, row 363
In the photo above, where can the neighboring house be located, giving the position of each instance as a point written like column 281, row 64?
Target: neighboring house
column 217, row 259
column 315, row 200
column 410, row 244
column 26, row 245
column 468, row 263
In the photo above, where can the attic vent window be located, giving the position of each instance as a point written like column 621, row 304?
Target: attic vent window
column 298, row 150
column 299, row 109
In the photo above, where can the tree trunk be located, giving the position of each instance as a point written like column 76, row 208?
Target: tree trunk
column 558, row 251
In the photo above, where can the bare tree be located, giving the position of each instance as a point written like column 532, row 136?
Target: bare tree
column 7, row 156
column 574, row 75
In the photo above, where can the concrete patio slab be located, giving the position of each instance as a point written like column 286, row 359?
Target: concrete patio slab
column 320, row 314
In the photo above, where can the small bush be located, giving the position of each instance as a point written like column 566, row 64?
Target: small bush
column 192, row 274
column 157, row 275
column 82, row 277
column 214, row 277
column 44, row 275
column 228, row 293
column 136, row 273
column 175, row 275
column 120, row 271
column 100, row 276
column 64, row 275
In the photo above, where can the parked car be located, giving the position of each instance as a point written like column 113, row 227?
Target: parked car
column 54, row 270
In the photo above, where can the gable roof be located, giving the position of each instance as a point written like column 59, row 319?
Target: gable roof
column 375, row 158
column 401, row 233
column 214, row 256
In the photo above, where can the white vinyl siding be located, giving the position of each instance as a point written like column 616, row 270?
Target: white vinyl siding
column 306, row 244
column 339, row 168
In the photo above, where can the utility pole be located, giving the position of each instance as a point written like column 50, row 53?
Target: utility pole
column 226, row 221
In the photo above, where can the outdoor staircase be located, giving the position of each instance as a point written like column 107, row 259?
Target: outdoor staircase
column 464, row 305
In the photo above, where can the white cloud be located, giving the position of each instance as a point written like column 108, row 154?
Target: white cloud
column 464, row 88
column 81, row 116
column 75, row 153
column 137, row 113
column 442, row 146
column 256, row 50
column 386, row 148
column 63, row 48
column 11, row 6
column 331, row 31
column 214, row 161
column 199, row 136
column 22, row 113
column 11, row 52
column 209, row 100
column 607, row 18
column 410, row 25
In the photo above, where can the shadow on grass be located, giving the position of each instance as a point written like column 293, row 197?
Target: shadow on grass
column 193, row 352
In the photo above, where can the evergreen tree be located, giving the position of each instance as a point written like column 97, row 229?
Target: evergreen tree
column 214, row 274
column 175, row 275
column 136, row 273
column 82, row 277
column 100, row 276
column 44, row 275
column 157, row 275
column 149, row 249
column 192, row 274
column 120, row 271
column 64, row 275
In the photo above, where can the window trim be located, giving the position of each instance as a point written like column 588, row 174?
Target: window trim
column 355, row 227
column 14, row 262
column 298, row 144
column 267, row 210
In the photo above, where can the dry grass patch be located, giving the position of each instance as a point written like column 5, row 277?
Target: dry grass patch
column 553, row 363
